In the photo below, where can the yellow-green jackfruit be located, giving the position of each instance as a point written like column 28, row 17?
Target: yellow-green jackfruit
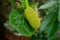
column 32, row 17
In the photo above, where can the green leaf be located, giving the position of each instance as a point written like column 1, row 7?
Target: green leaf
column 19, row 23
column 52, row 28
column 47, row 19
column 59, row 14
column 13, row 2
column 48, row 5
column 35, row 4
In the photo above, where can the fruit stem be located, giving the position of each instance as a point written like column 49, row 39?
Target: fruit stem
column 25, row 3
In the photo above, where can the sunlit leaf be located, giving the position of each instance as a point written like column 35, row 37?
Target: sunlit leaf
column 19, row 23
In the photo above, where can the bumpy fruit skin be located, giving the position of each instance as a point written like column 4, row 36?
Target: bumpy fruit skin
column 32, row 17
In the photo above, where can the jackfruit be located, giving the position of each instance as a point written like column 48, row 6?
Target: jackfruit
column 32, row 17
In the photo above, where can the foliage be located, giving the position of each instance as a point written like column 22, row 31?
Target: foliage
column 49, row 23
column 19, row 23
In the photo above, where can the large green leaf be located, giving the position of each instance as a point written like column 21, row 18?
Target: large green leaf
column 19, row 23
column 47, row 20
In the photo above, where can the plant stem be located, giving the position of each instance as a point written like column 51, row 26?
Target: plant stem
column 27, row 4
